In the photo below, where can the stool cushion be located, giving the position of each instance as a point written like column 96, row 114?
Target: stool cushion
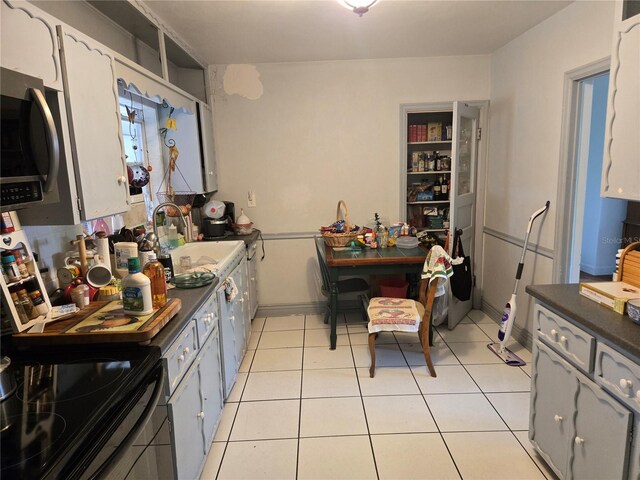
column 388, row 314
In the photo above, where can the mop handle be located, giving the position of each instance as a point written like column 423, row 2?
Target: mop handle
column 533, row 216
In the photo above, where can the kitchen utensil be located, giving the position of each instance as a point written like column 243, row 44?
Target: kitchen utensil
column 212, row 228
column 214, row 209
column 82, row 252
column 98, row 275
column 509, row 314
column 68, row 273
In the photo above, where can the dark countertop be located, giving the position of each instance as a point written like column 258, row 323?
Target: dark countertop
column 192, row 299
column 617, row 330
column 247, row 239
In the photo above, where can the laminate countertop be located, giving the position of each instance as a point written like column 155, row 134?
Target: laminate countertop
column 617, row 330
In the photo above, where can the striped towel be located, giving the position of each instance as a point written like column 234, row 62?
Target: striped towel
column 393, row 314
column 437, row 266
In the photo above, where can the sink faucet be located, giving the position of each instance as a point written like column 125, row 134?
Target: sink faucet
column 155, row 224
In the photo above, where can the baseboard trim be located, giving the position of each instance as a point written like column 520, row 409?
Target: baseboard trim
column 522, row 335
column 310, row 308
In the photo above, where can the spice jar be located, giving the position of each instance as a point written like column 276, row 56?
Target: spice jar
column 22, row 267
column 27, row 304
column 24, row 318
column 38, row 302
column 11, row 267
column 80, row 296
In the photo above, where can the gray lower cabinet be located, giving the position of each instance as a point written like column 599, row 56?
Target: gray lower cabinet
column 579, row 428
column 194, row 410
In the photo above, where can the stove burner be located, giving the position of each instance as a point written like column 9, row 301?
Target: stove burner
column 31, row 435
column 41, row 384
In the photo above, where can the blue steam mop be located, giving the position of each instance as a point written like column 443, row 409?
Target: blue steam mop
column 509, row 314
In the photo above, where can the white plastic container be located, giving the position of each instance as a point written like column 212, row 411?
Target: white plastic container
column 123, row 252
column 136, row 290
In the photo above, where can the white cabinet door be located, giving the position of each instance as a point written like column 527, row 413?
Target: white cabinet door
column 552, row 405
column 211, row 379
column 602, row 433
column 227, row 342
column 209, row 166
column 29, row 42
column 621, row 169
column 94, row 124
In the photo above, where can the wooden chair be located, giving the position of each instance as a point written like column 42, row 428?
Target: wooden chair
column 348, row 285
column 629, row 269
column 424, row 306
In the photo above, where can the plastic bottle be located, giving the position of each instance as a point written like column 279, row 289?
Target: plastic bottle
column 173, row 236
column 155, row 271
column 136, row 291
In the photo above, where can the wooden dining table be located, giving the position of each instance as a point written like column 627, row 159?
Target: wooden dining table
column 370, row 261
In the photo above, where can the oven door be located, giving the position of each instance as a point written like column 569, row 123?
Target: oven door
column 30, row 146
column 118, row 454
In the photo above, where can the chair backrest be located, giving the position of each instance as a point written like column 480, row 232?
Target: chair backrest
column 629, row 269
column 322, row 262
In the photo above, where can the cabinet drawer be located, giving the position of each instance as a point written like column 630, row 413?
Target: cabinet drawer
column 619, row 375
column 207, row 319
column 570, row 341
column 180, row 355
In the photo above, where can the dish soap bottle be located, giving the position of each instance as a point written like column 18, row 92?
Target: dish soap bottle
column 136, row 290
column 155, row 271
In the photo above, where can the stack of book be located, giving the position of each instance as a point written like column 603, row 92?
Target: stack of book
column 613, row 295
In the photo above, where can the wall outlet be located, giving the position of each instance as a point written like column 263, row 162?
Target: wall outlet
column 251, row 198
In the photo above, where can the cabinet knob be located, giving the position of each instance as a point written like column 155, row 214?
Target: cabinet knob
column 201, row 415
column 557, row 418
column 554, row 333
column 186, row 351
column 181, row 358
column 563, row 340
column 122, row 179
column 638, row 395
column 624, row 383
column 579, row 440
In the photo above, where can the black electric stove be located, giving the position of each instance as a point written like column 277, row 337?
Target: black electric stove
column 66, row 405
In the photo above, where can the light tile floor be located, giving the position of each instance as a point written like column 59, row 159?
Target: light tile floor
column 300, row 410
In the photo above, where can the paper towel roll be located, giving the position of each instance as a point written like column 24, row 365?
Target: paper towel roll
column 102, row 247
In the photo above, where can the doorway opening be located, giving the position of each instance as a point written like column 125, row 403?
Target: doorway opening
column 593, row 225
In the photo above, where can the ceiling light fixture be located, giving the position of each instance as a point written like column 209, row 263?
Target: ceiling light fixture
column 358, row 6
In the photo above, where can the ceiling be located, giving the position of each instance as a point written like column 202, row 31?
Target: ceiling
column 265, row 31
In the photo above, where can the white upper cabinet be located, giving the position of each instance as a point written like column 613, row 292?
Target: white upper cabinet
column 621, row 169
column 29, row 43
column 94, row 125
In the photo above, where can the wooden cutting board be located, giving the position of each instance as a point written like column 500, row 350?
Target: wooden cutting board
column 102, row 322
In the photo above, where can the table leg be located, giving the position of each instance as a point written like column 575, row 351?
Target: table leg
column 333, row 311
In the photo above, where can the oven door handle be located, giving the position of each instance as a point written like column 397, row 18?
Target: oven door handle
column 104, row 470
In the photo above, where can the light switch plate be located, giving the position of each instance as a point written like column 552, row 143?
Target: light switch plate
column 251, row 198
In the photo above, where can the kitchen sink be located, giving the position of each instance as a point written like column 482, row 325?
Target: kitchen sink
column 201, row 253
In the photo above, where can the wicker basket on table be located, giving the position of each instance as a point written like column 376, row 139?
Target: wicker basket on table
column 340, row 239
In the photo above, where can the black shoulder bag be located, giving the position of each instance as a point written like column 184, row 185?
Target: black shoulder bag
column 461, row 281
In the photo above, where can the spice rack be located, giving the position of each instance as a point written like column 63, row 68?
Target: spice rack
column 14, row 241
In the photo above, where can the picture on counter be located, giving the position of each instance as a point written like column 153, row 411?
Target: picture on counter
column 110, row 318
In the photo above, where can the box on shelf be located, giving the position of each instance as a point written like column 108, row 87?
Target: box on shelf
column 434, row 132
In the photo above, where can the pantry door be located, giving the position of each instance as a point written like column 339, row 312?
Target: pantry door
column 464, row 155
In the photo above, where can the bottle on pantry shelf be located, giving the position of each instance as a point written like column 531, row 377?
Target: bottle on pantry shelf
column 10, row 267
column 136, row 290
column 438, row 163
column 155, row 271
column 444, row 189
column 421, row 165
column 27, row 304
column 431, row 162
column 22, row 315
column 437, row 190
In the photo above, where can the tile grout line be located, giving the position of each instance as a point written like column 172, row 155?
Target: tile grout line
column 304, row 333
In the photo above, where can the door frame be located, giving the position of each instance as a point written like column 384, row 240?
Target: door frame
column 568, row 168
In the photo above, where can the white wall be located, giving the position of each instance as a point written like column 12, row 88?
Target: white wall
column 527, row 78
column 318, row 132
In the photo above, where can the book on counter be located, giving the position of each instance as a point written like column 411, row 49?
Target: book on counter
column 613, row 295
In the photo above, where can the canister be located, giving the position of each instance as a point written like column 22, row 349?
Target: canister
column 123, row 252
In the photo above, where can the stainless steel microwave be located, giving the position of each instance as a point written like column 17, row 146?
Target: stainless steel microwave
column 29, row 140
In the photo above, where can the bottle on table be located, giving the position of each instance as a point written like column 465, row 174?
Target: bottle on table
column 155, row 271
column 136, row 290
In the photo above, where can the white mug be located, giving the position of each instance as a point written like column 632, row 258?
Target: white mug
column 98, row 275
